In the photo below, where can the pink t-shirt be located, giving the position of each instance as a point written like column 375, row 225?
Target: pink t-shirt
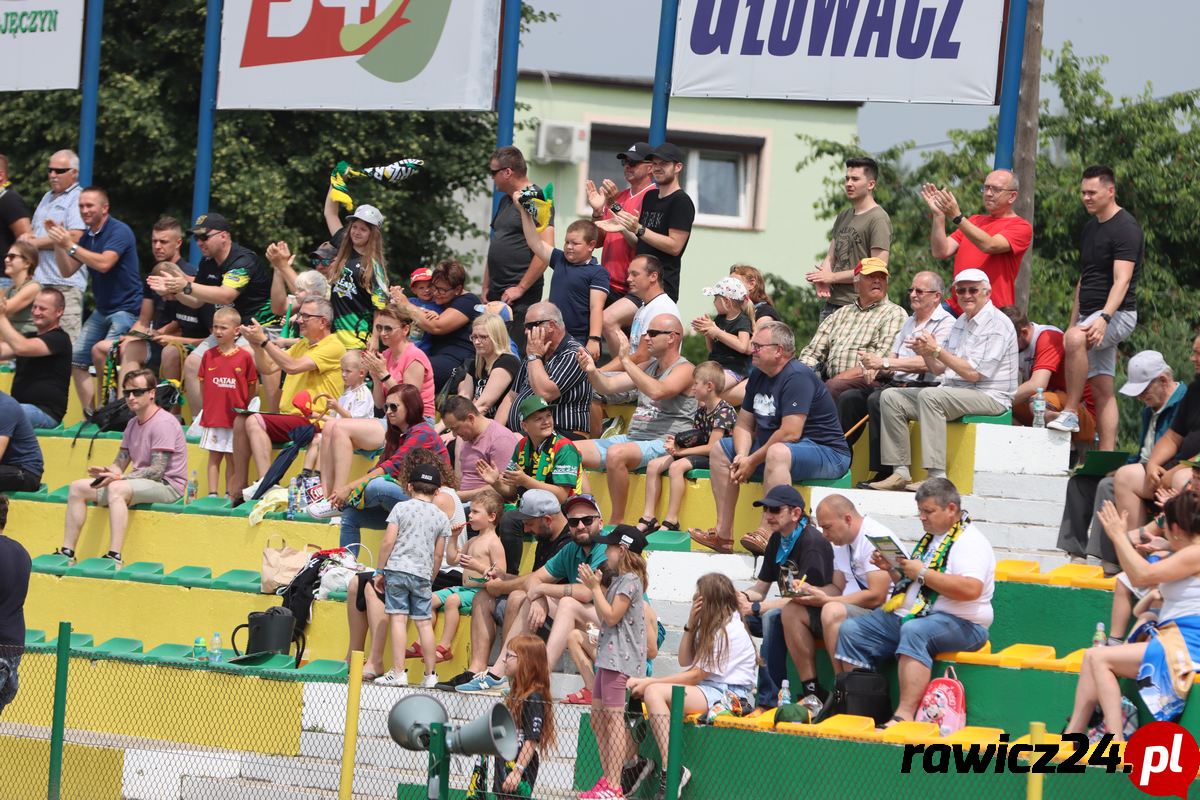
column 1001, row 268
column 495, row 444
column 397, row 364
column 162, row 432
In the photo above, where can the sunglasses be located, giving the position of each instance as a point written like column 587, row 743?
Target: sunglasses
column 963, row 290
column 136, row 392
column 497, row 171
column 59, row 170
column 318, row 262
column 391, row 408
column 652, row 333
column 535, row 323
column 11, row 256
column 203, row 237
column 573, row 522
column 384, row 329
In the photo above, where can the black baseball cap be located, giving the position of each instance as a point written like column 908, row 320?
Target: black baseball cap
column 782, row 495
column 324, row 250
column 624, row 536
column 667, row 152
column 425, row 473
column 209, row 223
column 638, row 151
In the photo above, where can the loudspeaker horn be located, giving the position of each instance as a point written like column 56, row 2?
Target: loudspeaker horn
column 494, row 734
column 409, row 720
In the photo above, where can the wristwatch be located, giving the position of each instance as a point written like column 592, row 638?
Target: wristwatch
column 187, row 287
column 756, row 609
column 1106, row 317
column 958, row 220
column 641, row 231
column 921, row 574
column 530, row 357
column 595, row 339
column 74, row 247
column 887, row 364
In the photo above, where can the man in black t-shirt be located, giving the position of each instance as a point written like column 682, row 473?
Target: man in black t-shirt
column 512, row 273
column 14, row 213
column 43, row 375
column 1105, row 309
column 228, row 275
column 15, row 567
column 665, row 224
column 809, row 557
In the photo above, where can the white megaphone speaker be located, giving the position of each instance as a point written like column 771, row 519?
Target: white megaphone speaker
column 409, row 720
column 494, row 734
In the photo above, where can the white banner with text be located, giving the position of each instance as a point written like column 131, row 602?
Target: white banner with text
column 913, row 51
column 359, row 54
column 41, row 43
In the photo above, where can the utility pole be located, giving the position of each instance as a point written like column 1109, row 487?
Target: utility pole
column 1025, row 150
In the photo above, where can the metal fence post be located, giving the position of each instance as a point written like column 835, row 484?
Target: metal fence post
column 350, row 737
column 1035, row 780
column 58, row 719
column 674, row 754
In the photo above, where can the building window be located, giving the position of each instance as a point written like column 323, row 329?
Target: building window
column 720, row 173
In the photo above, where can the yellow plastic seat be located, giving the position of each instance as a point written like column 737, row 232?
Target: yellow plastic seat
column 958, row 656
column 911, row 732
column 759, row 722
column 1017, row 569
column 1012, row 657
column 1080, row 576
column 973, row 734
column 842, row 726
column 1068, row 663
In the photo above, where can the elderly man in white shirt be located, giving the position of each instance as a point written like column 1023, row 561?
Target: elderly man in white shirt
column 978, row 366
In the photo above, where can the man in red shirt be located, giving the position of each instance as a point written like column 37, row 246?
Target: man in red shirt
column 1040, row 358
column 994, row 242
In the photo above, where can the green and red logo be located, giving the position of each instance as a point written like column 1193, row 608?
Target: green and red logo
column 394, row 39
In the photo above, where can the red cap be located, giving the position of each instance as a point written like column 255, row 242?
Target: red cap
column 420, row 274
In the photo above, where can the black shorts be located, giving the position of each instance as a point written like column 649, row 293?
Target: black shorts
column 697, row 462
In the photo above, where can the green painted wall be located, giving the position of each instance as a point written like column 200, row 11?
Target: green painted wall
column 786, row 237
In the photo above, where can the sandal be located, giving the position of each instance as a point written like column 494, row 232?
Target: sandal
column 414, row 651
column 667, row 525
column 708, row 538
column 581, row 698
column 647, row 524
column 755, row 542
column 444, row 654
column 895, row 719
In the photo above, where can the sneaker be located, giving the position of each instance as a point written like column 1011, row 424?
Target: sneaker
column 685, row 775
column 430, row 681
column 322, row 509
column 392, row 678
column 634, row 773
column 248, row 492
column 602, row 791
column 1066, row 421
column 466, row 676
column 483, row 684
column 892, row 483
column 69, row 555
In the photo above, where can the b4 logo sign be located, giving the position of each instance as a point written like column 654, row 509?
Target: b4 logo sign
column 394, row 39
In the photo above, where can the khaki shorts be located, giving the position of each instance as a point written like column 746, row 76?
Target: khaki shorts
column 144, row 491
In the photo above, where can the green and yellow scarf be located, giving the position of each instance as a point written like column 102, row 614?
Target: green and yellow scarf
column 926, row 596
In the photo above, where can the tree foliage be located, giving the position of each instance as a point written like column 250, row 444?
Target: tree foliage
column 1152, row 143
column 270, row 168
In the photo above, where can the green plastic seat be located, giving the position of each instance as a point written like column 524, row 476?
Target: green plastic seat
column 93, row 568
column 119, row 646
column 191, row 576
column 986, row 419
column 59, row 495
column 51, row 564
column 33, row 637
column 79, row 641
column 239, row 580
column 212, row 506
column 696, row 474
column 326, row 667
column 678, row 541
column 170, row 652
column 267, row 661
column 836, row 483
column 141, row 572
column 40, row 494
column 167, row 508
column 338, row 597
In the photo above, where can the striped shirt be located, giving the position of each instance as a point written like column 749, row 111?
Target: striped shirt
column 938, row 326
column 571, row 410
column 850, row 329
column 988, row 342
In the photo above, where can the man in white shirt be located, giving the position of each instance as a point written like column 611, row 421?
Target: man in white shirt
column 861, row 585
column 942, row 601
column 60, row 207
column 978, row 367
column 645, row 278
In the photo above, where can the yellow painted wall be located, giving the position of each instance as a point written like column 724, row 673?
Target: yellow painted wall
column 89, row 773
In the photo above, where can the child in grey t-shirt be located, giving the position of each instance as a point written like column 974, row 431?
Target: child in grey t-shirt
column 621, row 648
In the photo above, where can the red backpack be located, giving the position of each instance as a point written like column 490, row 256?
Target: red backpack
column 944, row 703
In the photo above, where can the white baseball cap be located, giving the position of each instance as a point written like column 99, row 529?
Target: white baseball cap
column 1142, row 370
column 973, row 276
column 368, row 214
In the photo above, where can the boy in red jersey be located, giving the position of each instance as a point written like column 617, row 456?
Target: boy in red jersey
column 228, row 380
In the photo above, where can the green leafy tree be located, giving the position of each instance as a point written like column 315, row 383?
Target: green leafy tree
column 1152, row 143
column 270, row 168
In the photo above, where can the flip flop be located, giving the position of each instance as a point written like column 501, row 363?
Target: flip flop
column 708, row 538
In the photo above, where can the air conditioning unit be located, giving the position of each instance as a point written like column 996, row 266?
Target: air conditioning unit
column 562, row 142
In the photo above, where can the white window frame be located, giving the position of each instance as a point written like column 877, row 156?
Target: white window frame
column 746, row 176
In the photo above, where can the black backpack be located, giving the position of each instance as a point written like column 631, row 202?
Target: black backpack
column 860, row 692
column 115, row 415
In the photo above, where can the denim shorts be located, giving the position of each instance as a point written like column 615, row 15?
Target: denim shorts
column 810, row 461
column 407, row 594
column 651, row 449
column 867, row 640
column 714, row 692
column 100, row 326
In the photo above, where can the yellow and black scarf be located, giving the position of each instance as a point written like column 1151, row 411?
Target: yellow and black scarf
column 926, row 596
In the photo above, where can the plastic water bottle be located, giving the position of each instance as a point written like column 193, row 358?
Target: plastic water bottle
column 1099, row 637
column 199, row 650
column 814, row 706
column 293, row 498
column 1039, row 409
column 193, row 488
column 214, row 648
column 785, row 693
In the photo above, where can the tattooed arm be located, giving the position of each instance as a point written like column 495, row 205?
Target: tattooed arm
column 159, row 460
